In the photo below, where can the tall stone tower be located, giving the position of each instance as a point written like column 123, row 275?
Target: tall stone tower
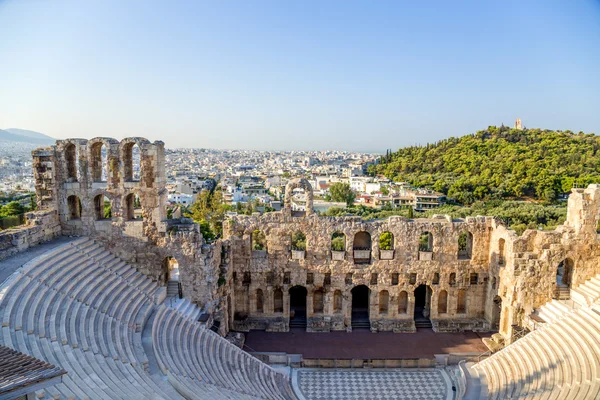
column 518, row 124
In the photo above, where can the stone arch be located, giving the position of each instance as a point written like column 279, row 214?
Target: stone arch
column 258, row 240
column 384, row 301
column 131, row 171
column 465, row 245
column 403, row 302
column 259, row 301
column 386, row 240
column 301, row 183
column 132, row 202
column 461, row 301
column 99, row 158
column 298, row 241
column 426, row 241
column 170, row 269
column 278, row 301
column 74, row 207
column 564, row 272
column 360, row 303
column 102, row 207
column 361, row 247
column 496, row 312
column 452, row 279
column 318, row 301
column 337, row 301
column 338, row 241
column 443, row 302
column 71, row 162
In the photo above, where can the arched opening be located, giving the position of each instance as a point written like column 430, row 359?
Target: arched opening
column 171, row 268
column 386, row 246
column 564, row 273
column 501, row 243
column 452, row 279
column 102, row 207
column 298, row 241
column 278, row 301
column 443, row 302
column 362, row 247
column 133, row 207
column 403, row 302
column 360, row 307
column 298, row 307
column 422, row 305
column 71, row 159
column 338, row 241
column 337, row 301
column 386, row 241
column 461, row 301
column 131, row 162
column 99, row 162
column 259, row 301
column 496, row 311
column 426, row 242
column 318, row 301
column 384, row 302
column 74, row 205
column 259, row 241
column 465, row 245
column 299, row 202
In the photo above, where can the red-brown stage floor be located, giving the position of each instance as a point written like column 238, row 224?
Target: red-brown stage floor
column 362, row 344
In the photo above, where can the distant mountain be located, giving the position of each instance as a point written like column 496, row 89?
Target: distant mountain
column 25, row 136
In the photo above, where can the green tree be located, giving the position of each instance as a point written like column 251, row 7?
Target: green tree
column 341, row 192
column 386, row 241
column 208, row 209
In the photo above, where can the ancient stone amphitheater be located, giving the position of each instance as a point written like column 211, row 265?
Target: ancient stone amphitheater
column 129, row 303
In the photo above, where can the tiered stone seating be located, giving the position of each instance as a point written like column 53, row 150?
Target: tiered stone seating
column 560, row 360
column 197, row 359
column 80, row 308
column 587, row 293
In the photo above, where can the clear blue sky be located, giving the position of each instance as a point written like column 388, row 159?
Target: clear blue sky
column 365, row 75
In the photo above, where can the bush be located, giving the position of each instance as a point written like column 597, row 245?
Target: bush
column 386, row 241
column 338, row 242
column 298, row 241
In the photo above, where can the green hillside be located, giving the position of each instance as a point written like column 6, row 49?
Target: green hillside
column 498, row 163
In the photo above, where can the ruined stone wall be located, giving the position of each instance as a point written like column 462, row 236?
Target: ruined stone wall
column 275, row 269
column 41, row 226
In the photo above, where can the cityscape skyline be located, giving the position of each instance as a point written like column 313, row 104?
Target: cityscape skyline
column 355, row 77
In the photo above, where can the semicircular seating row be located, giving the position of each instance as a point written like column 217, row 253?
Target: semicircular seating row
column 81, row 308
column 194, row 356
column 559, row 360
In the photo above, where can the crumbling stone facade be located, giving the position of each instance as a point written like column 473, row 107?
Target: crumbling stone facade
column 471, row 274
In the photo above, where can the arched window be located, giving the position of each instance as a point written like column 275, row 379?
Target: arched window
column 465, row 245
column 98, row 162
column 259, row 301
column 298, row 241
column 386, row 241
column 132, row 162
column 74, row 205
column 337, row 301
column 384, row 300
column 71, row 159
column 338, row 241
column 461, row 302
column 452, row 279
column 259, row 241
column 102, row 207
column 426, row 242
column 443, row 302
column 362, row 247
column 402, row 302
column 318, row 301
column 501, row 243
column 278, row 301
column 436, row 278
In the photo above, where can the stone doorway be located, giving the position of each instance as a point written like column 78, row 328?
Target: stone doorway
column 422, row 306
column 564, row 273
column 298, row 307
column 360, row 307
